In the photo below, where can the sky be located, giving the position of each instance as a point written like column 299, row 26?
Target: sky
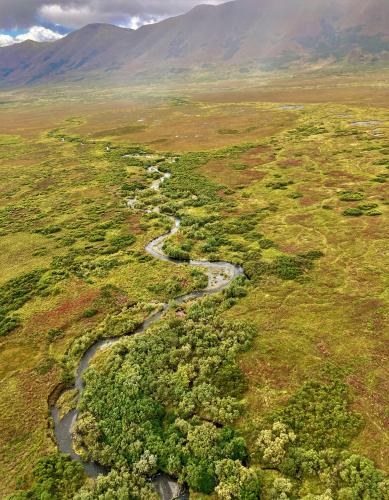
column 48, row 20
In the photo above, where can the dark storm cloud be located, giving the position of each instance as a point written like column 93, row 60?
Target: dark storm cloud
column 75, row 13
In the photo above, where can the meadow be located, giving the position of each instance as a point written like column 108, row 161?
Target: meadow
column 276, row 387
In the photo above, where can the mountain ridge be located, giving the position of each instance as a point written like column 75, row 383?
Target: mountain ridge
column 241, row 34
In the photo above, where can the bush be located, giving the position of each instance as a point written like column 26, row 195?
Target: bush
column 53, row 334
column 279, row 185
column 49, row 230
column 351, row 196
column 89, row 313
column 368, row 206
column 236, row 482
column 312, row 255
column 357, row 477
column 382, row 178
column 265, row 244
column 373, row 213
column 179, row 405
column 318, row 415
column 353, row 212
column 122, row 242
column 8, row 324
column 236, row 289
column 273, row 443
column 15, row 293
column 119, row 485
column 56, row 477
column 295, row 196
column 175, row 252
column 289, row 268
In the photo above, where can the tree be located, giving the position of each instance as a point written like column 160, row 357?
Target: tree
column 273, row 443
column 281, row 489
column 359, row 478
column 119, row 485
column 56, row 477
column 236, row 481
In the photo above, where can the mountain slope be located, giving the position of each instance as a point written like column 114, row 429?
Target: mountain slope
column 241, row 33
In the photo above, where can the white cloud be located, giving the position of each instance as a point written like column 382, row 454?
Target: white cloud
column 35, row 33
column 76, row 13
column 71, row 17
column 6, row 40
column 136, row 22
column 39, row 34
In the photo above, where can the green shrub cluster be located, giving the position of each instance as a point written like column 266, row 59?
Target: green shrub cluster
column 49, row 230
column 319, row 416
column 175, row 252
column 279, row 185
column 305, row 439
column 14, row 294
column 56, row 477
column 172, row 391
column 367, row 209
column 353, row 212
column 351, row 196
column 286, row 267
column 381, row 178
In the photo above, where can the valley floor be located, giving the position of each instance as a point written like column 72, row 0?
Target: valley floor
column 288, row 179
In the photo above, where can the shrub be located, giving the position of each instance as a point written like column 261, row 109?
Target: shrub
column 295, row 196
column 56, row 477
column 351, row 196
column 179, row 404
column 49, row 230
column 119, row 485
column 357, row 477
column 89, row 313
column 8, row 324
column 257, row 269
column 236, row 289
column 318, row 415
column 175, row 252
column 236, row 482
column 279, row 185
column 353, row 212
column 281, row 489
column 368, row 206
column 45, row 366
column 265, row 244
column 273, row 443
column 15, row 293
column 312, row 255
column 53, row 334
column 289, row 268
column 381, row 178
column 122, row 242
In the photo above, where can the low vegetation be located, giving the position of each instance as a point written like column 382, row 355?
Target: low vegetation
column 273, row 388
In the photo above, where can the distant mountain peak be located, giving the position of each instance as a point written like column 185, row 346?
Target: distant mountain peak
column 241, row 34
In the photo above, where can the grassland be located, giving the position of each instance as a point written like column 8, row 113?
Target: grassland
column 255, row 183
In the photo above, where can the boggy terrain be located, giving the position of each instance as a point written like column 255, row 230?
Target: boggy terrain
column 274, row 387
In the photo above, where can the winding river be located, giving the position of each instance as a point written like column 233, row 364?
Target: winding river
column 220, row 275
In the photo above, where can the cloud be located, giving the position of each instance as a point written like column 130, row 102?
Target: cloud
column 6, row 40
column 48, row 20
column 76, row 13
column 35, row 33
column 69, row 16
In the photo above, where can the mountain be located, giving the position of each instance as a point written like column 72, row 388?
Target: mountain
column 242, row 34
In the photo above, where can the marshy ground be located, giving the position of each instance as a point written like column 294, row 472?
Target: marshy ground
column 288, row 179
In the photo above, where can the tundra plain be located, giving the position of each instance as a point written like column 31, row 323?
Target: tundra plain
column 288, row 179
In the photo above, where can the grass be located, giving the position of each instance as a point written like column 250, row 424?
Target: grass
column 62, row 210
